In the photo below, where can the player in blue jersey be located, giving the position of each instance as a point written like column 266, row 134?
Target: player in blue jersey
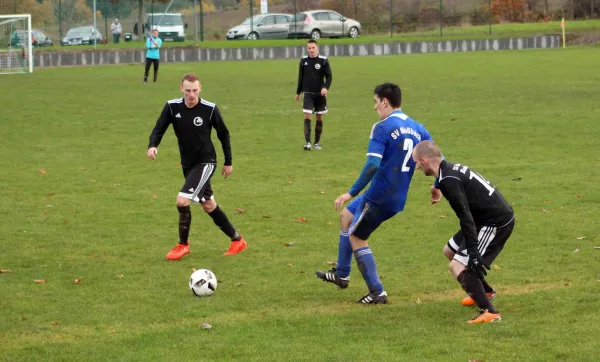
column 153, row 44
column 389, row 169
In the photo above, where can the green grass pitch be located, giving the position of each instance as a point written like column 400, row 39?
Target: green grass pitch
column 80, row 200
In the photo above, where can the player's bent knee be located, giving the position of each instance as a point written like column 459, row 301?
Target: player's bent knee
column 183, row 202
column 456, row 268
column 209, row 206
column 448, row 253
column 358, row 243
column 345, row 219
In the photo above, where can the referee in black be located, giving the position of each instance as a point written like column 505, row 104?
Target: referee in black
column 486, row 222
column 314, row 80
column 193, row 119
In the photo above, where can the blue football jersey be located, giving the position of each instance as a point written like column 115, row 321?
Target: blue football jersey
column 393, row 140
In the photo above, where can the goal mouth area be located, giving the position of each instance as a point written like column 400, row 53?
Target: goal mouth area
column 16, row 44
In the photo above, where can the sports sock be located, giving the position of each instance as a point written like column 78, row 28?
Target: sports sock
column 318, row 131
column 474, row 288
column 307, row 130
column 344, row 262
column 368, row 269
column 486, row 287
column 185, row 220
column 221, row 220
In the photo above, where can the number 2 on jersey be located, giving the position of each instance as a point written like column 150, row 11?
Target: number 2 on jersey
column 408, row 147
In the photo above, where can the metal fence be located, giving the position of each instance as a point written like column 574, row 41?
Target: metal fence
column 211, row 19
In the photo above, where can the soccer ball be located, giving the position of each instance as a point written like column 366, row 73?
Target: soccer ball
column 203, row 282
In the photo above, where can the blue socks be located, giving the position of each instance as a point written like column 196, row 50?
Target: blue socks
column 344, row 262
column 366, row 265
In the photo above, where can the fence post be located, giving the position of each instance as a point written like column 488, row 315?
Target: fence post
column 295, row 19
column 201, row 21
column 490, row 16
column 95, row 27
column 251, row 17
column 441, row 19
column 391, row 23
column 60, row 19
column 106, row 21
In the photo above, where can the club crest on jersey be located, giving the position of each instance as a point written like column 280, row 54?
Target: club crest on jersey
column 317, row 66
column 198, row 121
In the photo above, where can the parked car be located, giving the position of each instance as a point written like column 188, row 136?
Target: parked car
column 81, row 36
column 323, row 23
column 38, row 39
column 265, row 26
column 170, row 26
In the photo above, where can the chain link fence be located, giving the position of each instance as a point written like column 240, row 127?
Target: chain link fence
column 200, row 20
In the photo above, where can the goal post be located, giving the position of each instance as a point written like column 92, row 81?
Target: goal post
column 16, row 44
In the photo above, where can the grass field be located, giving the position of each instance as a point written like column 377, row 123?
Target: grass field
column 449, row 33
column 80, row 200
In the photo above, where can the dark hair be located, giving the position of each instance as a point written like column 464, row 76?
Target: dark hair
column 391, row 92
column 312, row 41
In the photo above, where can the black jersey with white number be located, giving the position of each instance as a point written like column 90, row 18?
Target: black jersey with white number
column 314, row 74
column 475, row 200
column 469, row 192
column 193, row 128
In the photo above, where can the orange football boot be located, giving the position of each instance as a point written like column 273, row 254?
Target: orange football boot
column 178, row 252
column 486, row 317
column 468, row 301
column 236, row 247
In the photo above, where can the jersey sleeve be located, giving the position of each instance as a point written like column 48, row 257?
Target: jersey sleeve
column 161, row 126
column 453, row 191
column 328, row 75
column 377, row 142
column 300, row 78
column 223, row 134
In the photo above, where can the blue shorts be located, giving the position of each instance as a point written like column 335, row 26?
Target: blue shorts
column 367, row 217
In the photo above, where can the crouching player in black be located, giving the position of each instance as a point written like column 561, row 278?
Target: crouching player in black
column 486, row 223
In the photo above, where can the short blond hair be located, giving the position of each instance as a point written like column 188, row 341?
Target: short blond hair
column 427, row 149
column 190, row 77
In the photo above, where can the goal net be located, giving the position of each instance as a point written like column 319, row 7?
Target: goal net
column 16, row 55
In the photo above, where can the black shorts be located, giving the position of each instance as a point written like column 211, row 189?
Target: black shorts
column 491, row 242
column 314, row 103
column 197, row 182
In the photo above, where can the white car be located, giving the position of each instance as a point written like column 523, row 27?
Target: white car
column 265, row 26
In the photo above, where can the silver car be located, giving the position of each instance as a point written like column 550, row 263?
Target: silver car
column 265, row 26
column 323, row 23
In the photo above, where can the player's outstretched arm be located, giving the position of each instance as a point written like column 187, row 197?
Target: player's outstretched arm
column 159, row 130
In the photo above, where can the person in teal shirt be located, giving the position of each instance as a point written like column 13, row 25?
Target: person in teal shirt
column 153, row 44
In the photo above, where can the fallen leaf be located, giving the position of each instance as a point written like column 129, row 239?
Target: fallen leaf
column 154, row 197
column 290, row 243
column 331, row 263
column 49, row 205
column 49, row 196
column 23, row 318
column 576, row 250
column 419, row 301
column 240, row 284
column 578, row 196
column 381, row 277
column 43, row 171
column 301, row 219
column 266, row 216
column 581, row 238
column 40, row 281
column 66, row 222
column 442, row 216
column 77, row 281
column 117, row 184
column 83, row 169
column 120, row 276
column 290, row 264
column 301, row 272
column 112, row 331
column 321, row 192
column 116, row 178
column 5, row 271
column 329, row 223
column 290, row 180
column 194, row 269
column 567, row 284
column 54, row 323
column 205, row 326
column 240, row 211
column 517, row 179
column 219, row 281
column 546, row 201
column 544, row 210
column 523, row 206
column 92, row 181
column 45, row 213
column 496, row 267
